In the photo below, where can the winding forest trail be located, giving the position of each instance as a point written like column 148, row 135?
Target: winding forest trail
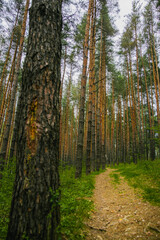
column 120, row 214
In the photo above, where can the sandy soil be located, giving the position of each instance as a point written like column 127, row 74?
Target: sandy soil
column 120, row 214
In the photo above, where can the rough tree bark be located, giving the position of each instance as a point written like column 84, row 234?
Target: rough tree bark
column 35, row 210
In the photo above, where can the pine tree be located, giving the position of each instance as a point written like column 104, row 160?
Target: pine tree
column 14, row 87
column 33, row 215
column 91, row 89
column 82, row 96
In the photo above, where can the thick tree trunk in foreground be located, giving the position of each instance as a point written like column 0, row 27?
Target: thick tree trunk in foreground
column 34, row 210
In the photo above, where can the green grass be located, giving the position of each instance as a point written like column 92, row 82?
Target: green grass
column 6, row 187
column 115, row 177
column 75, row 202
column 145, row 175
column 76, row 205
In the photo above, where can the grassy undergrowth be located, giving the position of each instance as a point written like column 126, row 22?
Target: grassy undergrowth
column 145, row 175
column 115, row 177
column 6, row 187
column 76, row 205
column 75, row 202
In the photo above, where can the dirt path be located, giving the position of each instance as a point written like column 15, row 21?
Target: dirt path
column 120, row 214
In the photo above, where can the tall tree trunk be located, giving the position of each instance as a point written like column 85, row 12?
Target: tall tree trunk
column 85, row 131
column 138, row 93
column 119, row 133
column 93, row 156
column 124, row 131
column 71, row 156
column 98, row 154
column 8, row 87
column 133, row 109
column 120, row 130
column 60, row 101
column 35, row 210
column 63, row 114
column 99, row 108
column 152, row 149
column 152, row 98
column 8, row 54
column 75, row 140
column 103, row 101
column 5, row 108
column 6, row 112
column 15, row 82
column 128, row 132
column 112, row 126
column 82, row 97
column 155, row 55
column 15, row 131
column 155, row 83
column 156, row 90
column 66, row 132
column 117, row 142
column 143, row 137
column 11, row 131
column 107, row 142
column 91, row 83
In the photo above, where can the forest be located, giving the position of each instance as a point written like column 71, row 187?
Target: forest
column 79, row 120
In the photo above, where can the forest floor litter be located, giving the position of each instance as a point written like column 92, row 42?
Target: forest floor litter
column 120, row 212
